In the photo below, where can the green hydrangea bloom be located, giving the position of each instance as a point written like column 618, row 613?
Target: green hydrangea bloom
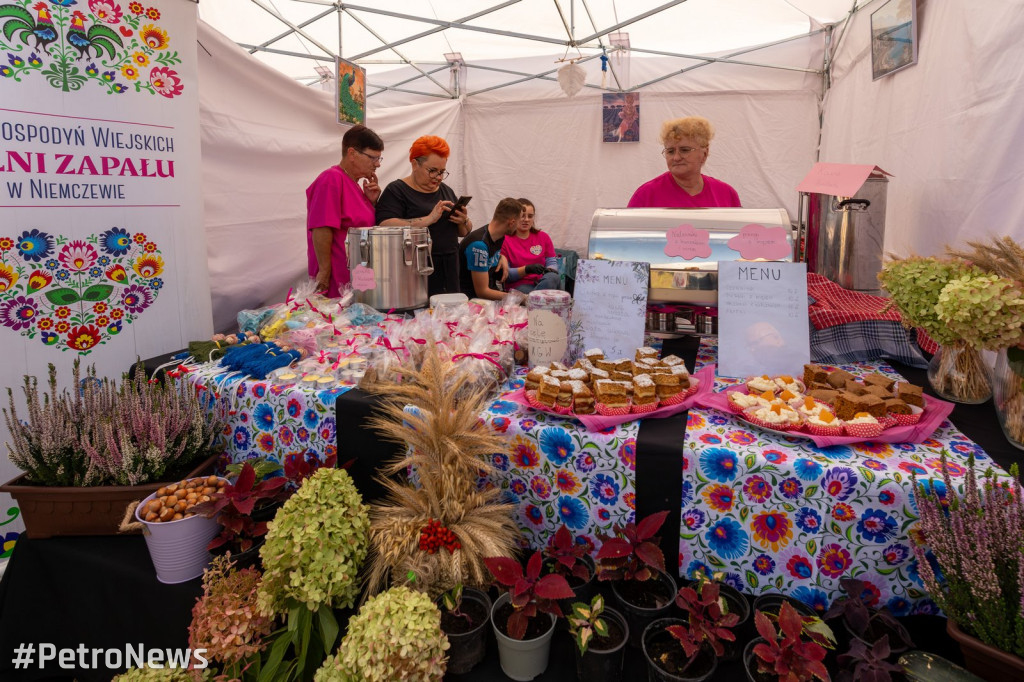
column 986, row 311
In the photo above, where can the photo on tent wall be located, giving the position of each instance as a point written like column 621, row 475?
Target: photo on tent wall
column 893, row 37
column 351, row 80
column 620, row 116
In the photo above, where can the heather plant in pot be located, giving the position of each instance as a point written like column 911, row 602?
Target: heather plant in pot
column 970, row 556
column 464, row 616
column 524, row 617
column 864, row 623
column 600, row 635
column 784, row 654
column 395, row 636
column 636, row 565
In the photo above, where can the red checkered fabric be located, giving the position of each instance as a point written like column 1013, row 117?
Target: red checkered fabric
column 834, row 305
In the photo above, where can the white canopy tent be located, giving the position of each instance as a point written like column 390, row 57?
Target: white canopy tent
column 947, row 128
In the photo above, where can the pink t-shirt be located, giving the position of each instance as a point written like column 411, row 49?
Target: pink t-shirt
column 535, row 249
column 335, row 200
column 663, row 192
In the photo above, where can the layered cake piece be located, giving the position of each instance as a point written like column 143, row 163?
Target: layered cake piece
column 558, row 366
column 579, row 374
column 611, row 393
column 598, row 374
column 564, row 397
column 534, row 377
column 606, row 365
column 667, row 385
column 673, row 361
column 547, row 392
column 645, row 352
column 582, row 398
column 593, row 354
column 644, row 390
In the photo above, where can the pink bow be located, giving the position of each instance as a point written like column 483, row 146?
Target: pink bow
column 489, row 357
column 386, row 342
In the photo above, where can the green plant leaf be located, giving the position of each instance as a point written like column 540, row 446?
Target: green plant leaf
column 277, row 652
column 62, row 296
column 328, row 627
column 97, row 292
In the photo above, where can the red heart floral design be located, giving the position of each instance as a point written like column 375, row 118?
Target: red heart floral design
column 77, row 293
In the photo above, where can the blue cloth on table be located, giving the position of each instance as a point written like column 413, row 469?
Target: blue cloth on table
column 866, row 340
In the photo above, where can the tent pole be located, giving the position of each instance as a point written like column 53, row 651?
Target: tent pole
column 287, row 33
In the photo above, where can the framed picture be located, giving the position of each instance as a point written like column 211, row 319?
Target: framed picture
column 620, row 116
column 351, row 80
column 893, row 37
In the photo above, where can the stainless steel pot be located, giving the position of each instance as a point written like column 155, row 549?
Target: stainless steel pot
column 400, row 260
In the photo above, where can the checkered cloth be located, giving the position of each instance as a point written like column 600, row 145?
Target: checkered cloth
column 865, row 341
column 832, row 305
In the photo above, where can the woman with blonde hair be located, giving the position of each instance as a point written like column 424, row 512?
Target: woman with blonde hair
column 685, row 143
column 421, row 199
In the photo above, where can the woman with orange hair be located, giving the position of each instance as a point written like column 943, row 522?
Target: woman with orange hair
column 421, row 199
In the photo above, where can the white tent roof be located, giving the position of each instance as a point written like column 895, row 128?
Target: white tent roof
column 403, row 44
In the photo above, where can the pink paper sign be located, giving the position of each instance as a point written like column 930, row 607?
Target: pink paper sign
column 687, row 242
column 838, row 179
column 757, row 241
column 363, row 278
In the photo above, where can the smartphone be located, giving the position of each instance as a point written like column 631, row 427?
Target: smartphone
column 461, row 203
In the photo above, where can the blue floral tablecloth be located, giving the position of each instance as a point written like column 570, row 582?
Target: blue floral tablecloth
column 558, row 472
column 779, row 514
column 264, row 419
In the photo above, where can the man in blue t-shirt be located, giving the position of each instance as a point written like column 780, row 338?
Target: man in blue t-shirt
column 480, row 253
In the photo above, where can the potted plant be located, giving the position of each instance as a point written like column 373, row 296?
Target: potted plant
column 711, row 618
column 241, row 535
column 524, row 640
column 86, row 454
column 311, row 559
column 464, row 615
column 785, row 655
column 866, row 624
column 570, row 559
column 863, row 663
column 675, row 653
column 730, row 600
column 771, row 602
column 226, row 621
column 395, row 636
column 634, row 561
column 600, row 636
column 975, row 542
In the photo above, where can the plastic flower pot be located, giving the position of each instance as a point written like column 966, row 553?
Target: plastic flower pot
column 583, row 591
column 772, row 603
column 178, row 548
column 602, row 662
column 468, row 647
column 522, row 659
column 664, row 655
column 985, row 661
column 750, row 661
column 642, row 602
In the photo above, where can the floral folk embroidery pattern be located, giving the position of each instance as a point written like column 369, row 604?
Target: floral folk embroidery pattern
column 70, row 46
column 76, row 293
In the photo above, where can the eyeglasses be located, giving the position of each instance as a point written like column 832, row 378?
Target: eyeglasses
column 377, row 160
column 437, row 173
column 682, row 151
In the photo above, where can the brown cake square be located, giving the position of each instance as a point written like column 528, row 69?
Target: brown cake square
column 815, row 374
column 547, row 392
column 622, row 376
column 533, row 378
column 873, row 405
column 910, row 394
column 838, row 379
column 611, row 393
column 820, row 386
column 564, row 398
column 896, row 406
column 879, row 380
column 855, row 387
column 847, row 405
column 645, row 352
column 606, row 365
column 880, row 391
column 824, row 395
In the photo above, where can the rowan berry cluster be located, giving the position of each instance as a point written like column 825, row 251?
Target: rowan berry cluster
column 435, row 536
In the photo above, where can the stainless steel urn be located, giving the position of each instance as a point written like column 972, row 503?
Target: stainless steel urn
column 400, row 260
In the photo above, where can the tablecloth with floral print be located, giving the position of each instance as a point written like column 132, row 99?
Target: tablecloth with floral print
column 779, row 514
column 269, row 420
column 558, row 472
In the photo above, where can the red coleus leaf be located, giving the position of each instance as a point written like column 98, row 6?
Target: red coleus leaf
column 533, row 567
column 791, row 624
column 651, row 554
column 563, row 538
column 553, row 586
column 646, row 529
column 809, row 651
column 764, row 627
column 614, row 548
column 517, row 623
column 505, row 570
column 246, row 479
column 522, row 589
column 581, row 571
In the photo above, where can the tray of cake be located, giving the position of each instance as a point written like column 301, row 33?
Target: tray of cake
column 833, row 406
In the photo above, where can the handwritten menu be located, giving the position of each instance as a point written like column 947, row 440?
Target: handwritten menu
column 609, row 307
column 762, row 318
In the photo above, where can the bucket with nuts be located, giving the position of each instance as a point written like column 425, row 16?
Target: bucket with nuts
column 175, row 535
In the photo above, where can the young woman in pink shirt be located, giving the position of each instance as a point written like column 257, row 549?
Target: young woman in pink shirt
column 531, row 256
column 685, row 144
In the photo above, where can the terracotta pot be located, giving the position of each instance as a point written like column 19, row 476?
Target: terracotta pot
column 986, row 661
column 51, row 511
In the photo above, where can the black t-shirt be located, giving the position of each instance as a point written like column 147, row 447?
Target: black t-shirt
column 399, row 200
column 478, row 253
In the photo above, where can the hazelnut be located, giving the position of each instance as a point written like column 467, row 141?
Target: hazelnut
column 166, row 514
column 177, row 517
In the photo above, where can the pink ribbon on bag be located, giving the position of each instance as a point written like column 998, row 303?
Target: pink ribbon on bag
column 317, row 311
column 386, row 342
column 489, row 357
column 419, row 341
column 519, row 325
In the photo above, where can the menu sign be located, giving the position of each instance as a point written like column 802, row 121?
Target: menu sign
column 610, row 307
column 762, row 318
